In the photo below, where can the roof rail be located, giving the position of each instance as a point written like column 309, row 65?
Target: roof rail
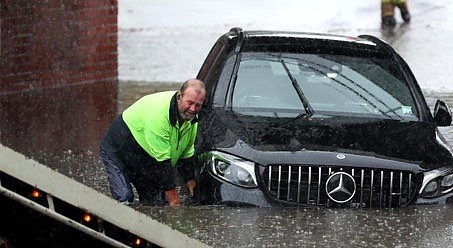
column 379, row 42
column 236, row 30
column 240, row 34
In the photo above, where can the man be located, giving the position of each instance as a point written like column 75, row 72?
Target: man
column 388, row 12
column 149, row 139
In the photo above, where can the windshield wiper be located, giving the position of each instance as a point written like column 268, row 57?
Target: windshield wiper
column 308, row 109
column 324, row 70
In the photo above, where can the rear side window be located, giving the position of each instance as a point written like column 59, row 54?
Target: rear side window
column 209, row 61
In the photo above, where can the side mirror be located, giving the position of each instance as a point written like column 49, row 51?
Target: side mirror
column 442, row 114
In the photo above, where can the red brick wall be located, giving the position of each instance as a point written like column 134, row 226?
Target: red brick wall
column 58, row 73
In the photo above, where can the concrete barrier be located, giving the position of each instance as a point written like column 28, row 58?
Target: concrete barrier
column 58, row 187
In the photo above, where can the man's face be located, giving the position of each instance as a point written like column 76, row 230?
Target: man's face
column 190, row 103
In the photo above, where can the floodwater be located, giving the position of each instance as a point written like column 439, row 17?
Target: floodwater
column 221, row 226
column 313, row 227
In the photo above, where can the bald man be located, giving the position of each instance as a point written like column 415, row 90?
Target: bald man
column 149, row 139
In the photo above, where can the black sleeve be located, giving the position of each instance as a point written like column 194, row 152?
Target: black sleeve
column 186, row 169
column 165, row 175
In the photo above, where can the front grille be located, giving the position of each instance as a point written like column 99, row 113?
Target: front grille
column 306, row 185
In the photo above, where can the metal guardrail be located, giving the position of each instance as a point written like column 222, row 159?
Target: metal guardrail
column 81, row 207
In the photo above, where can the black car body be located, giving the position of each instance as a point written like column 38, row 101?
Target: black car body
column 304, row 119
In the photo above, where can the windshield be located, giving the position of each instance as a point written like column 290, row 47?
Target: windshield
column 335, row 85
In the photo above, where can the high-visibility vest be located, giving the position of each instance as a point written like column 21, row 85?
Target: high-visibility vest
column 149, row 122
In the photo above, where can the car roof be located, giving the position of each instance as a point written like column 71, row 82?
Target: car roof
column 305, row 35
column 264, row 40
column 306, row 42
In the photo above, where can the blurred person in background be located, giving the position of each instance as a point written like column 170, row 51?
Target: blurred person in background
column 388, row 12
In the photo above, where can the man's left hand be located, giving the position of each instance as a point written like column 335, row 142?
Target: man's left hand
column 191, row 186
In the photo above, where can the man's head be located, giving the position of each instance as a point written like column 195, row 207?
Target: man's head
column 190, row 98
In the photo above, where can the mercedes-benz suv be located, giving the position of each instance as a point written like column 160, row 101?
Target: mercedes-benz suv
column 305, row 119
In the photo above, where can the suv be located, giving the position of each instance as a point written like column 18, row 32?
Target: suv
column 306, row 119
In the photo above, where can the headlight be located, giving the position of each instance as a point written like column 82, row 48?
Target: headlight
column 431, row 187
column 447, row 181
column 437, row 182
column 233, row 169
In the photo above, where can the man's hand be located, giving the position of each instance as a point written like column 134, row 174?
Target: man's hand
column 191, row 186
column 172, row 197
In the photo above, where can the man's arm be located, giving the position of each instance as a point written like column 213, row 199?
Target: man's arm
column 187, row 170
column 167, row 181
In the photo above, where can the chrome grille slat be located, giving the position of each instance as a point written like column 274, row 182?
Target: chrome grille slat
column 362, row 175
column 374, row 188
column 319, row 185
column 401, row 187
column 391, row 187
column 269, row 180
column 381, row 188
column 410, row 182
column 330, row 172
column 371, row 187
column 352, row 174
column 279, row 181
column 289, row 184
column 299, row 178
column 309, row 185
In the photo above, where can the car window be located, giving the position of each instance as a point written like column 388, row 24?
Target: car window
column 263, row 87
column 332, row 84
column 209, row 61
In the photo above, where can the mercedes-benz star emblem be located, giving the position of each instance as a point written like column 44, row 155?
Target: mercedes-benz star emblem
column 340, row 187
column 341, row 156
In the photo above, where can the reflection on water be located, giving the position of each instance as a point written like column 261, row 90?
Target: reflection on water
column 289, row 227
column 317, row 227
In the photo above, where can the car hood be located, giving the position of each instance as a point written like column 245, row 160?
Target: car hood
column 418, row 142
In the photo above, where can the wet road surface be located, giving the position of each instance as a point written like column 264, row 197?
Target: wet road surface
column 289, row 227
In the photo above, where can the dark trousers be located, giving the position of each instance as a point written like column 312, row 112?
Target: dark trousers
column 127, row 165
column 121, row 182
